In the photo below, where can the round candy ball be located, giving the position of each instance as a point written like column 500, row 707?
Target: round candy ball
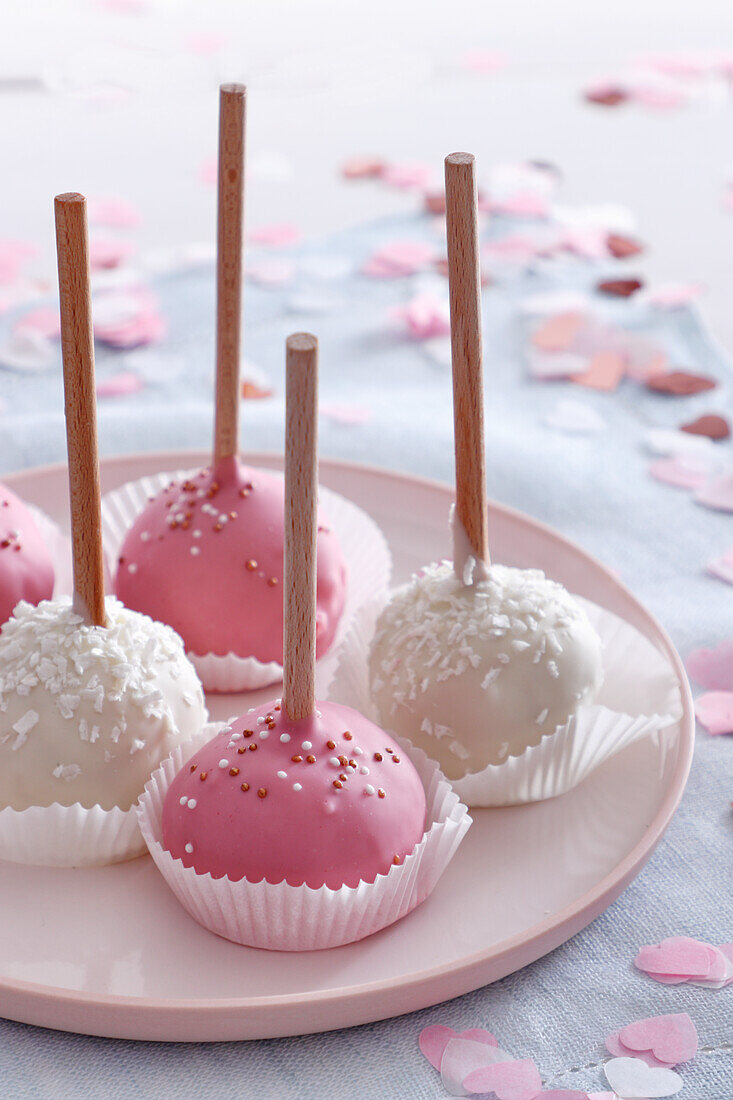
column 206, row 557
column 474, row 674
column 26, row 569
column 88, row 712
column 328, row 800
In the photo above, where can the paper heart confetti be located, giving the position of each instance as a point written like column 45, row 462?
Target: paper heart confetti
column 270, row 272
column 119, row 385
column 117, row 213
column 562, row 1094
column 558, row 333
column 434, row 1039
column 342, row 413
column 463, row 1056
column 667, row 442
column 424, row 316
column 362, row 168
column 604, row 371
column 712, row 426
column 680, row 383
column 615, row 1047
column 13, row 255
column 622, row 246
column 45, row 320
column 712, row 669
column 682, row 471
column 28, row 351
column 606, row 95
column 673, row 295
column 399, row 258
column 714, row 711
column 717, row 494
column 407, row 176
column 519, row 1080
column 671, row 1038
column 681, row 959
column 128, row 318
column 619, row 288
column 108, row 252
column 631, row 1079
column 722, row 567
column 278, row 235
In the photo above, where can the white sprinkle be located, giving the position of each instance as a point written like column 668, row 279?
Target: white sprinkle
column 282, row 775
column 237, row 737
column 264, row 734
column 297, row 786
column 364, row 769
column 503, row 658
column 357, row 751
column 196, row 534
column 183, row 799
column 489, row 678
column 334, row 760
column 284, row 737
column 66, row 771
column 223, row 763
column 195, row 550
column 189, row 848
column 145, row 536
column 369, row 789
column 25, row 724
column 307, row 745
column 541, row 716
column 132, row 567
column 192, row 803
column 260, row 721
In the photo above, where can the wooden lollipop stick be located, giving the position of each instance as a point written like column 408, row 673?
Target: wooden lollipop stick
column 77, row 348
column 464, row 283
column 230, row 222
column 301, row 524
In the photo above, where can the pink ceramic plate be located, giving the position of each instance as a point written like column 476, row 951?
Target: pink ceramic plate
column 110, row 952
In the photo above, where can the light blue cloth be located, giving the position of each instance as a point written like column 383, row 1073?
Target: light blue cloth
column 594, row 489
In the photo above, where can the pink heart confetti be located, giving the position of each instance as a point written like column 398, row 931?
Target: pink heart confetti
column 722, row 568
column 520, row 205
column 407, row 176
column 13, row 255
column 631, row 1078
column 679, row 955
column 672, row 295
column 362, row 168
column 615, row 1047
column 562, row 1094
column 604, row 372
column 128, row 318
column 434, row 1039
column 203, row 43
column 671, row 1038
column 278, row 235
column 44, row 320
column 108, row 252
column 574, row 418
column 112, row 211
column 519, row 1080
column 272, row 272
column 558, row 333
column 208, row 172
column 425, row 316
column 548, row 365
column 712, row 669
column 28, row 351
column 717, row 494
column 714, row 711
column 461, row 1057
column 399, row 258
column 483, row 61
column 119, row 385
column 682, row 471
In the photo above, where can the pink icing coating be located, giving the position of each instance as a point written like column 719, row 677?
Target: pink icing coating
column 26, row 568
column 258, row 813
column 206, row 557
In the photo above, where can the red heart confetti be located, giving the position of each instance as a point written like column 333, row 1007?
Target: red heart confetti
column 619, row 288
column 710, row 425
column 680, row 383
column 622, row 246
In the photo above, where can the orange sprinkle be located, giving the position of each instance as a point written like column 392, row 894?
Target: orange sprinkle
column 381, row 793
column 202, row 776
column 262, row 792
column 245, row 787
column 251, row 565
column 310, row 759
column 234, row 771
column 338, row 783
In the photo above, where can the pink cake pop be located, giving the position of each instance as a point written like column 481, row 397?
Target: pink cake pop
column 26, row 568
column 206, row 555
column 297, row 791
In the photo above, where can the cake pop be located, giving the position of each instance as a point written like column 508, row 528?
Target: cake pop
column 26, row 568
column 206, row 554
column 476, row 662
column 92, row 696
column 297, row 791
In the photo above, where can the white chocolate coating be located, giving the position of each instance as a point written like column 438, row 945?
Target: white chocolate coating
column 474, row 674
column 88, row 712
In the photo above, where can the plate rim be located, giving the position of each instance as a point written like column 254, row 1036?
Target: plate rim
column 575, row 916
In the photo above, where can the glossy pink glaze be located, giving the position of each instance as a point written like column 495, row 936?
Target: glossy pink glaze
column 26, row 568
column 206, row 557
column 336, row 829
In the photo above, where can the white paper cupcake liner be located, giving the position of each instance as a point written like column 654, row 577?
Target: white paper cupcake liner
column 365, row 549
column 73, row 836
column 298, row 918
column 628, row 707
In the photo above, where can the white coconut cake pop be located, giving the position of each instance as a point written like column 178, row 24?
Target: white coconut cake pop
column 476, row 673
column 88, row 712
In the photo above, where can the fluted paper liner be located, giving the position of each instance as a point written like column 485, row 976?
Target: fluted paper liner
column 631, row 704
column 280, row 917
column 364, row 547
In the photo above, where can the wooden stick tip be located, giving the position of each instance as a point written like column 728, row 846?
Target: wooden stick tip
column 69, row 198
column 459, row 159
column 301, row 342
column 237, row 91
